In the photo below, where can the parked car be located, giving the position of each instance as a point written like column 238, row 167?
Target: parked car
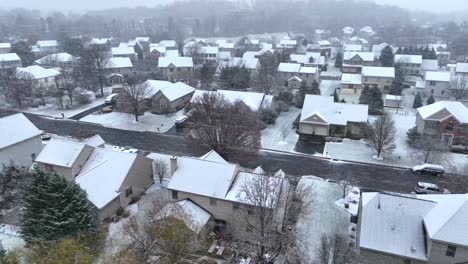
column 429, row 169
column 429, row 188
column 179, row 122
column 110, row 100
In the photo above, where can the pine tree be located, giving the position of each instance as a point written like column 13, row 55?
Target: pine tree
column 375, row 99
column 413, row 136
column 336, row 98
column 315, row 89
column 386, row 57
column 300, row 96
column 364, row 98
column 430, row 100
column 339, row 60
column 55, row 208
column 417, row 102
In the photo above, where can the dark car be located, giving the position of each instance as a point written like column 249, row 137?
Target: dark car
column 429, row 169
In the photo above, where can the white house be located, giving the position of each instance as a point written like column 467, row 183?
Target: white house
column 44, row 77
column 461, row 69
column 354, row 61
column 313, row 59
column 9, row 61
column 382, row 77
column 351, row 81
column 20, row 140
column 437, row 84
column 322, row 117
column 62, row 60
column 411, row 64
column 307, row 74
column 418, row 229
column 122, row 65
column 5, row 47
column 429, row 65
column 47, row 46
column 125, row 52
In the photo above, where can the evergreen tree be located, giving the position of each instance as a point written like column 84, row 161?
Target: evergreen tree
column 300, row 96
column 413, row 136
column 315, row 89
column 364, row 98
column 386, row 57
column 339, row 60
column 336, row 98
column 417, row 102
column 430, row 100
column 22, row 49
column 375, row 99
column 55, row 208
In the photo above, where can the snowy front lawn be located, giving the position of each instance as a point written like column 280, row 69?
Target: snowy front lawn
column 148, row 121
column 327, row 87
column 352, row 199
column 281, row 135
column 325, row 218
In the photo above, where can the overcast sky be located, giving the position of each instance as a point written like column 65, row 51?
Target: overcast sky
column 82, row 5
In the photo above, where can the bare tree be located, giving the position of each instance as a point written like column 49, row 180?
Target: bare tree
column 266, row 79
column 224, row 126
column 430, row 147
column 335, row 249
column 345, row 186
column 460, row 87
column 134, row 93
column 65, row 85
column 16, row 86
column 381, row 134
column 160, row 168
column 285, row 130
column 96, row 61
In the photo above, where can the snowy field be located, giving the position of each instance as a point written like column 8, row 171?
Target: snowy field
column 272, row 136
column 148, row 121
column 51, row 108
column 326, row 218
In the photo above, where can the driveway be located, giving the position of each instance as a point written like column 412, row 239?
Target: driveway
column 309, row 144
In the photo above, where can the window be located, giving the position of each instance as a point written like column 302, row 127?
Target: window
column 33, row 157
column 250, row 210
column 450, row 251
column 442, row 93
column 449, row 126
column 46, row 79
column 212, row 202
column 432, row 91
column 432, row 83
column 128, row 191
column 171, row 70
column 235, row 206
column 175, row 195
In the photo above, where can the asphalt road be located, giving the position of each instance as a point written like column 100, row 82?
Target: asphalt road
column 369, row 176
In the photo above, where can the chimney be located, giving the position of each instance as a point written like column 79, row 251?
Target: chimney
column 173, row 164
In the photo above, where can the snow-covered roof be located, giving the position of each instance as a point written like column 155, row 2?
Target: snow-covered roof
column 351, row 47
column 142, row 39
column 437, row 76
column 103, row 174
column 251, row 99
column 393, row 224
column 348, row 30
column 213, row 156
column 430, row 65
column 9, row 57
column 308, row 70
column 456, row 109
column 16, row 128
column 446, row 221
column 119, row 51
column 117, row 62
column 194, row 216
column 164, row 62
column 225, row 45
column 224, row 55
column 37, row 72
column 324, row 43
column 349, row 78
column 95, row 141
column 47, row 43
column 393, row 97
column 412, row 59
column 161, row 50
column 365, row 56
column 61, row 152
column 322, row 109
column 387, row 72
column 462, row 67
column 295, row 78
column 251, row 63
column 99, row 41
column 305, row 58
column 289, row 67
column 172, row 91
column 5, row 45
column 209, row 50
column 57, row 57
column 172, row 53
column 168, row 43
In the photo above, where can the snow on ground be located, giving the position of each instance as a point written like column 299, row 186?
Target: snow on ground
column 325, row 218
column 272, row 136
column 352, row 199
column 148, row 121
column 51, row 108
column 349, row 96
column 327, row 87
column 10, row 237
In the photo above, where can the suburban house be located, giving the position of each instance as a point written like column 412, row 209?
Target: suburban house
column 382, row 77
column 120, row 65
column 446, row 120
column 160, row 97
column 62, row 60
column 176, row 69
column 322, row 34
column 461, row 69
column 224, row 45
column 9, row 61
column 348, row 31
column 112, row 179
column 377, row 49
column 437, row 84
column 193, row 46
column 353, row 61
column 208, row 54
column 252, row 100
column 125, row 52
column 287, row 44
column 309, row 59
column 416, row 229
column 101, row 43
column 352, row 48
column 5, row 47
column 351, row 81
column 322, row 117
column 306, row 74
column 216, row 186
column 20, row 140
column 429, row 65
column 411, row 64
column 294, row 82
column 443, row 57
column 46, row 46
column 44, row 77
column 168, row 44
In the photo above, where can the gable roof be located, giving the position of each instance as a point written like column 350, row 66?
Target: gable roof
column 60, row 152
column 15, row 129
column 251, row 99
column 168, row 43
column 118, row 62
column 365, row 56
column 194, row 216
column 437, row 76
column 213, row 156
column 123, row 51
column 57, row 57
column 387, row 72
column 37, row 72
column 351, row 47
column 456, row 109
column 172, row 91
column 9, row 57
column 404, row 58
column 103, row 174
column 164, row 62
column 462, row 68
column 331, row 112
column 47, row 43
column 99, row 41
column 349, row 78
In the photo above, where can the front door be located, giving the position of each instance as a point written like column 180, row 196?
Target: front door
column 447, row 139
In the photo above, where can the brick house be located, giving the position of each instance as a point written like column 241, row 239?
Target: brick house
column 445, row 120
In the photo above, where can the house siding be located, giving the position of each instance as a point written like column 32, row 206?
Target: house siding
column 373, row 257
column 438, row 251
column 383, row 83
column 20, row 153
column 140, row 178
column 177, row 74
column 437, row 89
column 313, row 129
